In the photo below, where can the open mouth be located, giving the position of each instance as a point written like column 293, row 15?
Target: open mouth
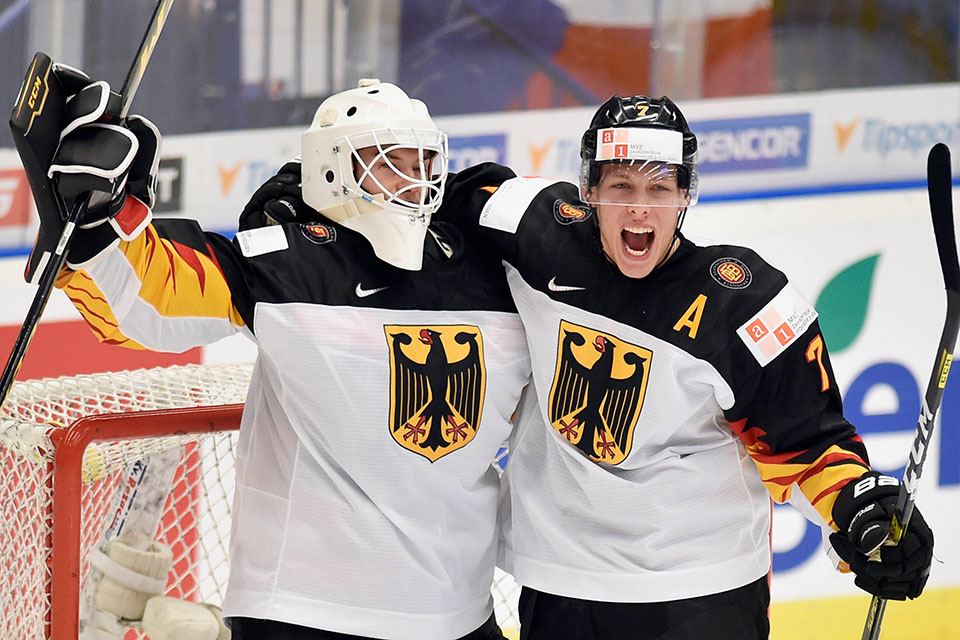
column 637, row 240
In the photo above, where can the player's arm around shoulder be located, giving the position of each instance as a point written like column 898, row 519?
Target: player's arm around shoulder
column 488, row 202
column 466, row 192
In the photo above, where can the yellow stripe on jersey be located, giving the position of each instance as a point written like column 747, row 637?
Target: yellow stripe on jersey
column 820, row 479
column 176, row 280
column 90, row 301
column 179, row 281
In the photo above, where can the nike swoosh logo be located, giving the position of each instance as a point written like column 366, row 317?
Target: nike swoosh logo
column 553, row 286
column 363, row 293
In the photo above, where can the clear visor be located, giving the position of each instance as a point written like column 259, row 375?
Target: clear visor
column 402, row 168
column 643, row 183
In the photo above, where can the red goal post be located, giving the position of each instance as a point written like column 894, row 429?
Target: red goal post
column 66, row 450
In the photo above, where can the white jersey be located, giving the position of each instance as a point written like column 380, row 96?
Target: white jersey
column 366, row 498
column 682, row 514
column 665, row 411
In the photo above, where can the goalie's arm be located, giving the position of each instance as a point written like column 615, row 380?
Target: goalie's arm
column 164, row 290
column 137, row 285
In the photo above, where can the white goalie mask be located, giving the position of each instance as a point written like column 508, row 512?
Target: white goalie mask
column 380, row 119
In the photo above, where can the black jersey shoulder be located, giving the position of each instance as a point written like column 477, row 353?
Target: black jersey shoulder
column 466, row 193
column 460, row 185
column 737, row 276
column 553, row 223
column 707, row 293
column 331, row 265
column 712, row 288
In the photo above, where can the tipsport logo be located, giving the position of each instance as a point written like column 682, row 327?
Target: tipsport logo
column 255, row 173
column 880, row 137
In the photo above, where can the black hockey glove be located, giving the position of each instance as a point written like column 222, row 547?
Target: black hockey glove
column 278, row 200
column 101, row 156
column 863, row 511
column 71, row 142
column 38, row 119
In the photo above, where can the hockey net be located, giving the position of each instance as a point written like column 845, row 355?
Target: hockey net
column 69, row 448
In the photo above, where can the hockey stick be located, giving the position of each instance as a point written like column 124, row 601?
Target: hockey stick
column 135, row 509
column 34, row 93
column 940, row 190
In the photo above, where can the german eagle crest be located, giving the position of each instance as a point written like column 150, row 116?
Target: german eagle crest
column 437, row 383
column 598, row 390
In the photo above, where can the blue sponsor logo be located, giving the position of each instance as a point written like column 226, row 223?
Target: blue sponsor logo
column 914, row 137
column 753, row 144
column 467, row 151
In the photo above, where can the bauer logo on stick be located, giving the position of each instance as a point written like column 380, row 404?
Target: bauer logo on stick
column 437, row 383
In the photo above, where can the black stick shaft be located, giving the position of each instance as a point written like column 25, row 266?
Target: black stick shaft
column 139, row 66
column 940, row 190
column 57, row 260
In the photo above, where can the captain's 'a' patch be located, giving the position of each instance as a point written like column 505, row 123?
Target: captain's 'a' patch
column 437, row 383
column 598, row 390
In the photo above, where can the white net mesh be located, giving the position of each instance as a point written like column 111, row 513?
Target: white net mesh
column 195, row 520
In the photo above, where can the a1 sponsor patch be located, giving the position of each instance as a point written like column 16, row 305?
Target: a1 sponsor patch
column 566, row 213
column 777, row 325
column 629, row 143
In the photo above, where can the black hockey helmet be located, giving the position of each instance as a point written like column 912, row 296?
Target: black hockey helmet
column 642, row 112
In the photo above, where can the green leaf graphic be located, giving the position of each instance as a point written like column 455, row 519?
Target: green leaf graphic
column 842, row 304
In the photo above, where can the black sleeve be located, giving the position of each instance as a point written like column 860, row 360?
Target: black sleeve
column 789, row 415
column 465, row 195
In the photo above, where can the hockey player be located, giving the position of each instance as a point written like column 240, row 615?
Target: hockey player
column 675, row 389
column 390, row 358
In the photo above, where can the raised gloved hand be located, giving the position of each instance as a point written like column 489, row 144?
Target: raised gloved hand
column 72, row 143
column 105, row 160
column 863, row 512
column 278, row 200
